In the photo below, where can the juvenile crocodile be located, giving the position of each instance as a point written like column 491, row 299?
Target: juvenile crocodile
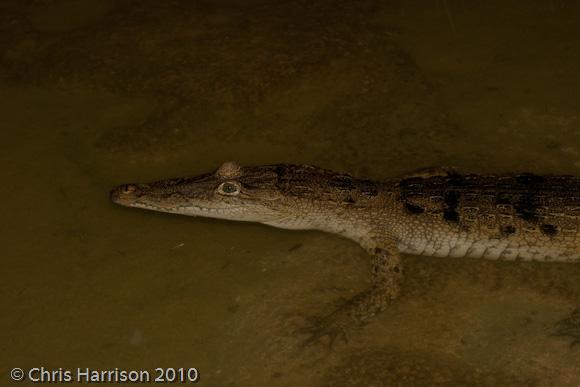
column 436, row 212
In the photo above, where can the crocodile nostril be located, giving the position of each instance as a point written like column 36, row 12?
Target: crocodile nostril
column 123, row 192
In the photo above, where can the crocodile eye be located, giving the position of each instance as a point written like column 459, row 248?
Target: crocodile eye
column 229, row 188
column 129, row 188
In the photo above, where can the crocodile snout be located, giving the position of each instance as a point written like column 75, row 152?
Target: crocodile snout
column 124, row 194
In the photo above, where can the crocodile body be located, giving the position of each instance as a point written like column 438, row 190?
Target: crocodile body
column 520, row 217
column 436, row 212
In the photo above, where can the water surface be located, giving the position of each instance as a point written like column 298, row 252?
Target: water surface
column 98, row 93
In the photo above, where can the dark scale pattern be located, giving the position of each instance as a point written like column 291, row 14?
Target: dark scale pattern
column 343, row 182
column 530, row 179
column 368, row 188
column 508, row 205
column 413, row 209
column 507, row 230
column 526, row 207
column 349, row 200
column 549, row 229
column 451, row 203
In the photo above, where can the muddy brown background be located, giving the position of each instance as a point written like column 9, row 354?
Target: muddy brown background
column 98, row 93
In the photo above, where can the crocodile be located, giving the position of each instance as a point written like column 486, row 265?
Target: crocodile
column 434, row 212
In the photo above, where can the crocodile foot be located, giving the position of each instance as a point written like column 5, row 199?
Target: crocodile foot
column 570, row 327
column 327, row 330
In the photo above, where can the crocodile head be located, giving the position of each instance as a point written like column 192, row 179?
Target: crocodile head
column 271, row 194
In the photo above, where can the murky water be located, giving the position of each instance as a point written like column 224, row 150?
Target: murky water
column 98, row 93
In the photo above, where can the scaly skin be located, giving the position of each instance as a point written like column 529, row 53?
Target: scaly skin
column 435, row 212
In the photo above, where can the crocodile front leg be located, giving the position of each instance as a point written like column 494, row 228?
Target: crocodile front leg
column 387, row 275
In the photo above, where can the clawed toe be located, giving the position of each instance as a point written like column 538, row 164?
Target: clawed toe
column 323, row 330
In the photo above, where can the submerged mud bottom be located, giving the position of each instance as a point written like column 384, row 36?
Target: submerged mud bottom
column 393, row 368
